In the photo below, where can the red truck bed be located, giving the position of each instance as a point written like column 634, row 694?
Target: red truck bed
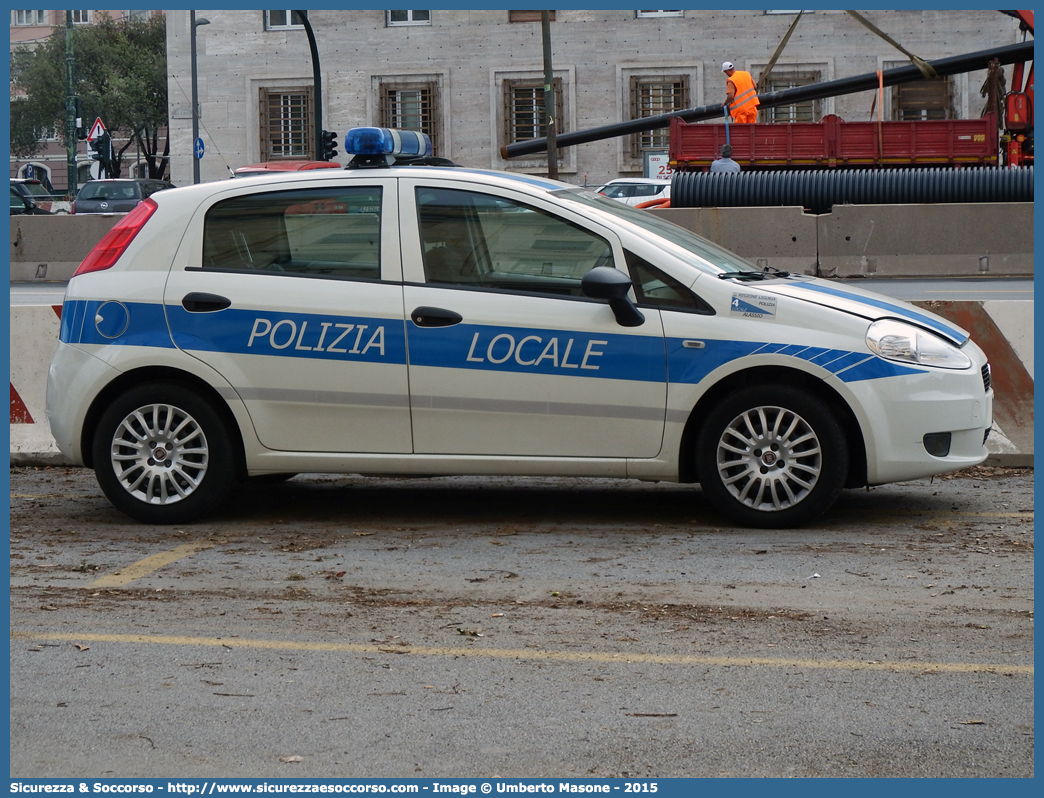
column 835, row 143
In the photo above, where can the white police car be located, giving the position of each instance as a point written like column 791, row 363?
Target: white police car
column 410, row 319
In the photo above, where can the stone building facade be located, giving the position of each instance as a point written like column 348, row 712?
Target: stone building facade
column 474, row 79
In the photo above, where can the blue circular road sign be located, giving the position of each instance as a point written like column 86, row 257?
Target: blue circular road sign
column 198, row 148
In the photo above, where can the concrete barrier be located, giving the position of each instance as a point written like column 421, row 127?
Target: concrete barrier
column 51, row 247
column 929, row 241
column 989, row 239
column 1004, row 329
column 994, row 239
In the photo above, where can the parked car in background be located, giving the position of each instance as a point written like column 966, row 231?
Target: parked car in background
column 635, row 190
column 120, row 195
column 33, row 190
column 25, row 206
column 269, row 167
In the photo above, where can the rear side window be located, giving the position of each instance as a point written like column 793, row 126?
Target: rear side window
column 312, row 232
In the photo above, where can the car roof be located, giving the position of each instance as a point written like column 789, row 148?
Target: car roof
column 481, row 176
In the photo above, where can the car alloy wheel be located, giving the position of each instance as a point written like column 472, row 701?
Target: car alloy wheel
column 159, row 454
column 772, row 456
column 162, row 454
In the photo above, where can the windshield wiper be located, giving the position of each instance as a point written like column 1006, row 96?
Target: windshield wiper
column 767, row 273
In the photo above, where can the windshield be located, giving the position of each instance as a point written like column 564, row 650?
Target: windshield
column 693, row 249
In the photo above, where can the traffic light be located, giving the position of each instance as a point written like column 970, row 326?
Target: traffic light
column 329, row 145
column 103, row 152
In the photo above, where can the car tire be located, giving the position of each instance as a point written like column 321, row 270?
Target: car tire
column 163, row 455
column 771, row 456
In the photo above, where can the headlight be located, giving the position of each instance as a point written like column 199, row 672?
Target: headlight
column 896, row 340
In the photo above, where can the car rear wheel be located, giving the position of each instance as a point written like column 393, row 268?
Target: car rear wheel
column 162, row 454
column 772, row 456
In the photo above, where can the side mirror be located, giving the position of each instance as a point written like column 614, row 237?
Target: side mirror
column 606, row 282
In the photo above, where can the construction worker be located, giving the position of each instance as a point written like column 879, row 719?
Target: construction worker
column 741, row 95
column 725, row 162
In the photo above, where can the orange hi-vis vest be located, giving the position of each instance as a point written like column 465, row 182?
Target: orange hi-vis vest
column 746, row 91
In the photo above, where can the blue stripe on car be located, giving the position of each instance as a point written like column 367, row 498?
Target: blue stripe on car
column 616, row 356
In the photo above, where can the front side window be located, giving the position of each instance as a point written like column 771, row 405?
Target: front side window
column 319, row 232
column 654, row 288
column 283, row 20
column 619, row 191
column 411, row 106
column 489, row 242
column 525, row 112
column 396, row 18
column 287, row 124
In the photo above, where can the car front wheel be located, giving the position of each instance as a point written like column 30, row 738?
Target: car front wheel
column 771, row 456
column 162, row 454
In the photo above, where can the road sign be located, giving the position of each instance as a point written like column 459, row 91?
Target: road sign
column 197, row 148
column 97, row 129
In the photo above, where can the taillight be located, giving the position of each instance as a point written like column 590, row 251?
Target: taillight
column 112, row 246
column 72, row 207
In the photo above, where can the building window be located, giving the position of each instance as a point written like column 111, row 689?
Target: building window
column 650, row 14
column 81, row 17
column 919, row 100
column 28, row 17
column 395, row 18
column 287, row 124
column 283, row 20
column 808, row 111
column 527, row 16
column 652, row 96
column 141, row 14
column 525, row 114
column 411, row 106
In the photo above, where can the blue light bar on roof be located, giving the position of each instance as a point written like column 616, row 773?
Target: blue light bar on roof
column 385, row 141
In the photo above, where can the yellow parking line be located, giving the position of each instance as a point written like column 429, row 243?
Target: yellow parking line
column 149, row 564
column 538, row 654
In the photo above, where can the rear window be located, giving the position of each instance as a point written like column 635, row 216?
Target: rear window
column 310, row 232
column 110, row 191
column 35, row 190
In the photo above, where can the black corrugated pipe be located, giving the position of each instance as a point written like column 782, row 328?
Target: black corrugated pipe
column 819, row 190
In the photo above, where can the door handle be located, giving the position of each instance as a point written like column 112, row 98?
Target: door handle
column 198, row 302
column 435, row 317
